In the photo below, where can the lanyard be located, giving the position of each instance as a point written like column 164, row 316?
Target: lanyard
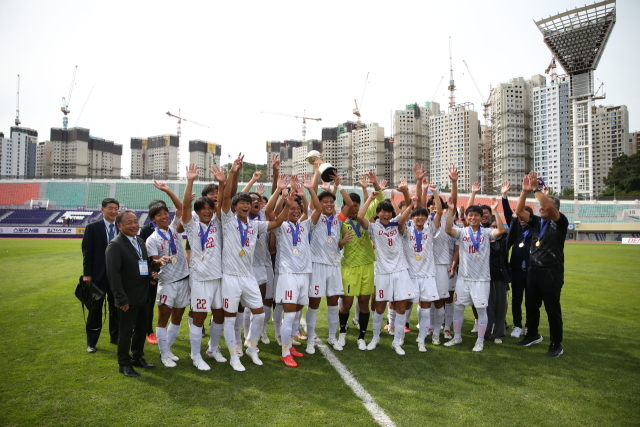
column 136, row 246
column 203, row 236
column 244, row 232
column 418, row 236
column 526, row 234
column 543, row 227
column 172, row 243
column 329, row 222
column 356, row 228
column 295, row 232
column 475, row 241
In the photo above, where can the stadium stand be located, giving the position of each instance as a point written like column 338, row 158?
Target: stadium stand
column 601, row 210
column 567, row 207
column 28, row 217
column 136, row 195
column 97, row 193
column 18, row 194
column 66, row 194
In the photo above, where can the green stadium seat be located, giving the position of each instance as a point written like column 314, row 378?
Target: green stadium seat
column 66, row 194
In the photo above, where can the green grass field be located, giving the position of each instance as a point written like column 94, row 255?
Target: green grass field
column 47, row 378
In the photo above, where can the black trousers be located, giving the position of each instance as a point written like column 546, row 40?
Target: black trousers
column 153, row 291
column 94, row 317
column 518, row 285
column 544, row 284
column 497, row 309
column 133, row 323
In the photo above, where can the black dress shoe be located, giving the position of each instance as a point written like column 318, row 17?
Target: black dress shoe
column 128, row 371
column 142, row 363
column 91, row 349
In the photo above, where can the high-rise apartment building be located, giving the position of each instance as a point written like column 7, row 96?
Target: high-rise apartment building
column 204, row 154
column 286, row 155
column 299, row 163
column 454, row 139
column 369, row 152
column 74, row 153
column 337, row 149
column 156, row 157
column 634, row 142
column 551, row 108
column 273, row 147
column 610, row 139
column 18, row 153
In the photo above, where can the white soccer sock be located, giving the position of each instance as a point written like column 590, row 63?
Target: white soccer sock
column 332, row 318
column 357, row 312
column 190, row 320
column 425, row 324
column 257, row 321
column 398, row 334
column 432, row 318
column 161, row 336
column 439, row 317
column 215, row 332
column 391, row 317
column 311, row 324
column 246, row 322
column 230, row 334
column 296, row 323
column 237, row 326
column 172, row 333
column 483, row 319
column 267, row 316
column 458, row 318
column 195, row 336
column 277, row 319
column 287, row 330
column 448, row 315
column 377, row 324
column 407, row 314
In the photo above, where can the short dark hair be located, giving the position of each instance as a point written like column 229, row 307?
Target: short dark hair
column 528, row 209
column 355, row 198
column 556, row 201
column 298, row 200
column 431, row 202
column 201, row 202
column 155, row 202
column 474, row 208
column 266, row 199
column 487, row 208
column 326, row 194
column 419, row 211
column 208, row 189
column 108, row 200
column 385, row 206
column 251, row 193
column 123, row 213
column 241, row 197
column 156, row 209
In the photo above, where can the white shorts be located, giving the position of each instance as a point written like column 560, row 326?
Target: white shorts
column 174, row 294
column 425, row 289
column 206, row 296
column 470, row 292
column 442, row 280
column 240, row 289
column 293, row 288
column 396, row 286
column 260, row 273
column 270, row 289
column 326, row 281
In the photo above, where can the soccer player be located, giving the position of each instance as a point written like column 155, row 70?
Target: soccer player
column 546, row 268
column 392, row 280
column 238, row 283
column 166, row 251
column 326, row 279
column 357, row 265
column 472, row 287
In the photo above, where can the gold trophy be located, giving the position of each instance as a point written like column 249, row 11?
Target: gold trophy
column 326, row 170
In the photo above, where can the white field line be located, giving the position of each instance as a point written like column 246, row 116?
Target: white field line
column 369, row 403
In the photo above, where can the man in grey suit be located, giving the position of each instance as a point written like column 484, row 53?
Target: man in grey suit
column 128, row 273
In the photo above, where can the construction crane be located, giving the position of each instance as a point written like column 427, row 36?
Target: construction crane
column 437, row 87
column 303, row 117
column 452, row 85
column 18, row 103
column 66, row 101
column 356, row 110
column 551, row 69
column 84, row 105
column 180, row 119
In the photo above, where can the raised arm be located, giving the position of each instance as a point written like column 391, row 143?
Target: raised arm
column 438, row 203
column 545, row 202
column 404, row 217
column 449, row 227
column 275, row 164
column 453, row 176
column 309, row 185
column 348, row 203
column 364, row 181
column 495, row 204
column 176, row 202
column 218, row 174
column 290, row 201
column 363, row 210
column 475, row 187
column 254, row 178
column 192, row 175
column 232, row 181
column 508, row 213
column 281, row 184
column 418, row 170
column 522, row 200
column 404, row 189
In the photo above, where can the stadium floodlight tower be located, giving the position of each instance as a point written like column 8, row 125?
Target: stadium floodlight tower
column 577, row 39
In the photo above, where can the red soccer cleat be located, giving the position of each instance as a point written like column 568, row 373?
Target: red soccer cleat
column 407, row 329
column 295, row 353
column 151, row 338
column 288, row 360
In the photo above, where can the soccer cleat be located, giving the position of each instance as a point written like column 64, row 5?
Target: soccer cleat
column 173, row 356
column 335, row 344
column 288, row 360
column 407, row 329
column 200, row 364
column 342, row 339
column 264, row 338
column 356, row 322
column 497, row 341
column 454, row 341
column 301, row 336
column 151, row 338
column 475, row 326
column 422, row 348
column 310, row 348
column 295, row 353
column 479, row 346
column 527, row 341
column 253, row 354
column 279, row 340
column 430, row 331
column 168, row 362
column 361, row 344
column 435, row 340
column 236, row 364
column 516, row 332
column 386, row 327
column 447, row 334
column 555, row 350
column 398, row 349
column 374, row 342
column 392, row 330
column 91, row 349
column 294, row 342
column 216, row 355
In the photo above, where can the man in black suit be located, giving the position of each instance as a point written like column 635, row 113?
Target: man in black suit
column 94, row 242
column 128, row 272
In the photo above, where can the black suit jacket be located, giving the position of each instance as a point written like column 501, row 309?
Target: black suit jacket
column 94, row 243
column 126, row 282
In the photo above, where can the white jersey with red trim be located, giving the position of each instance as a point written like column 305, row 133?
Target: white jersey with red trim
column 390, row 256
column 160, row 246
column 206, row 263
column 474, row 263
column 288, row 261
column 238, row 259
column 421, row 262
column 324, row 244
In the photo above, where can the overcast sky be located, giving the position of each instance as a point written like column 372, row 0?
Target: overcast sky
column 222, row 63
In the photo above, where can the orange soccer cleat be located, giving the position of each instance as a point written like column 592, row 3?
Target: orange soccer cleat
column 295, row 353
column 151, row 338
column 288, row 360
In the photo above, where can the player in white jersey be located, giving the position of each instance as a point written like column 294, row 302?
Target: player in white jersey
column 166, row 250
column 204, row 232
column 392, row 280
column 474, row 275
column 326, row 278
column 238, row 282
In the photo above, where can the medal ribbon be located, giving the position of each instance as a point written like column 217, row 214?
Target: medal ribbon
column 329, row 222
column 543, row 227
column 295, row 232
column 356, row 229
column 418, row 236
column 244, row 232
column 203, row 236
column 172, row 243
column 475, row 241
column 526, row 234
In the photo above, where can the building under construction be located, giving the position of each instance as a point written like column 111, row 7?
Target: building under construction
column 155, row 157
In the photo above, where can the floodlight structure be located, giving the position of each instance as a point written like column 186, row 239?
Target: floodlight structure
column 577, row 39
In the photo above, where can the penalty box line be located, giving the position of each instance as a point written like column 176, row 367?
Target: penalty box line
column 369, row 403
